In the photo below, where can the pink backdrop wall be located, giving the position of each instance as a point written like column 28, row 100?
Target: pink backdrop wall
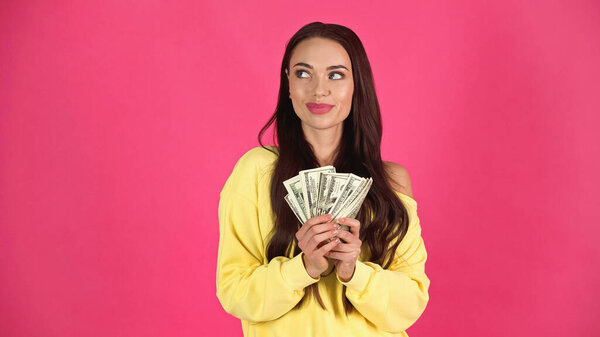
column 121, row 120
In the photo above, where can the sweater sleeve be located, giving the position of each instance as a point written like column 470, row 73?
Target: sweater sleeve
column 394, row 298
column 247, row 287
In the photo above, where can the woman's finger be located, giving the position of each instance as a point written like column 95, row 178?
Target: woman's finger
column 353, row 224
column 341, row 249
column 346, row 256
column 349, row 238
column 326, row 248
column 311, row 241
column 301, row 233
column 346, row 248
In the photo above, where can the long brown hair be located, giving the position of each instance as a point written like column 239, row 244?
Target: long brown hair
column 383, row 217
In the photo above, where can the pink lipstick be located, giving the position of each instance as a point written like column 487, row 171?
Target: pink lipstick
column 317, row 108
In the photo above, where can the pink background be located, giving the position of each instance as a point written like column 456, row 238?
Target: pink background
column 121, row 120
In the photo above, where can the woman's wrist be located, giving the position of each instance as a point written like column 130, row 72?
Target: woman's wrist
column 308, row 270
column 346, row 276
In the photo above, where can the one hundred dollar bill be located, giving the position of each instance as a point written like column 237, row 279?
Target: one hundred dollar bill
column 352, row 209
column 295, row 209
column 330, row 188
column 322, row 190
column 348, row 192
column 355, row 196
column 296, row 196
column 310, row 187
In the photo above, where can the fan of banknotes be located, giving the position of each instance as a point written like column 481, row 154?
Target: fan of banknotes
column 323, row 191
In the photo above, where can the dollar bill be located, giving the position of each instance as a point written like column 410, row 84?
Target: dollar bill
column 295, row 209
column 310, row 187
column 294, row 188
column 330, row 188
column 322, row 190
column 348, row 193
column 352, row 209
column 346, row 208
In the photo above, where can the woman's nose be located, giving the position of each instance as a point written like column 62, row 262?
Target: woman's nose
column 321, row 87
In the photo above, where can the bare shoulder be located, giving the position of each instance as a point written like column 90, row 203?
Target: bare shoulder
column 400, row 179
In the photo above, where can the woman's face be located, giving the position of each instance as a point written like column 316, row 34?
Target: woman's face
column 320, row 72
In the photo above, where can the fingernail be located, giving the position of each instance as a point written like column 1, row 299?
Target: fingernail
column 342, row 220
column 335, row 231
column 335, row 225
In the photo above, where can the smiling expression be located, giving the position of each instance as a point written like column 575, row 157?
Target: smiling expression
column 320, row 72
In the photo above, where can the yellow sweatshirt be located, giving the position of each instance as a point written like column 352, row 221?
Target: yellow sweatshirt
column 262, row 293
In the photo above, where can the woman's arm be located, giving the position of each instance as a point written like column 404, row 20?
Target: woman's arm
column 246, row 287
column 395, row 298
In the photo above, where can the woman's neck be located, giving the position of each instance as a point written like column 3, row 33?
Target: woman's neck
column 324, row 142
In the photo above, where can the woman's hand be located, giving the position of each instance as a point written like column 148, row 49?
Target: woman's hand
column 346, row 254
column 310, row 236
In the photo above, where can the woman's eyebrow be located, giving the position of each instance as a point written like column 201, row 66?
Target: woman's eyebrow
column 311, row 67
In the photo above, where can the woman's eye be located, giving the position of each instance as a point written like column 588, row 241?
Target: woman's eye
column 341, row 75
column 300, row 72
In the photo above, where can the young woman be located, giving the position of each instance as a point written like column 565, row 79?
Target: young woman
column 284, row 278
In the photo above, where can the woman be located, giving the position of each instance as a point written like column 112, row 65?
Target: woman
column 283, row 278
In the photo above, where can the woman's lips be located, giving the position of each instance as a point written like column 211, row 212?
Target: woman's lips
column 319, row 108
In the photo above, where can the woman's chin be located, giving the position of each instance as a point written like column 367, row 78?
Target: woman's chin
column 322, row 126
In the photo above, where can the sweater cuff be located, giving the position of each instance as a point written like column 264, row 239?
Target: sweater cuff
column 295, row 275
column 359, row 280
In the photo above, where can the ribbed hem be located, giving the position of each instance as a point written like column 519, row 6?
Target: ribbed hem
column 295, row 275
column 359, row 280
